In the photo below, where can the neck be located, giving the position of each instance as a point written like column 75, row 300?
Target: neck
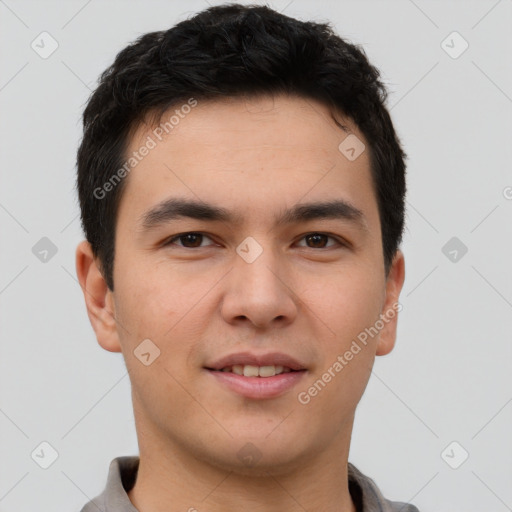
column 170, row 478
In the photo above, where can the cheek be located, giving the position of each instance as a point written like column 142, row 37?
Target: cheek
column 351, row 305
column 152, row 296
column 347, row 302
column 159, row 310
column 172, row 308
column 346, row 306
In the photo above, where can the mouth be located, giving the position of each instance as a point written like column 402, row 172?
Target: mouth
column 257, row 377
column 255, row 371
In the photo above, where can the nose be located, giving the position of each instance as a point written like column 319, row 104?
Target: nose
column 259, row 293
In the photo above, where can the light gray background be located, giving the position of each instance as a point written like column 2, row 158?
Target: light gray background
column 449, row 377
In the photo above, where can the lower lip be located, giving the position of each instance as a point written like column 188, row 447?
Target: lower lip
column 258, row 387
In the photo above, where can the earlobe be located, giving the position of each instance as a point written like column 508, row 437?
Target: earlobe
column 391, row 308
column 98, row 298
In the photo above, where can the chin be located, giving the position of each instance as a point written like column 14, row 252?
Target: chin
column 266, row 465
column 259, row 455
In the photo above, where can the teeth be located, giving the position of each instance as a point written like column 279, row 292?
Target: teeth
column 250, row 371
column 238, row 369
column 267, row 371
column 256, row 371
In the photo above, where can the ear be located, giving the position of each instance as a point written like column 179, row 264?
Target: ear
column 391, row 307
column 99, row 299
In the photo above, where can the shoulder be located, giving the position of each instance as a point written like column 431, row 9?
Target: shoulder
column 114, row 498
column 368, row 497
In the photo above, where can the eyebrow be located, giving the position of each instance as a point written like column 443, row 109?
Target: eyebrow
column 175, row 208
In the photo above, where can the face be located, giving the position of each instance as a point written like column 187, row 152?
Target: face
column 240, row 277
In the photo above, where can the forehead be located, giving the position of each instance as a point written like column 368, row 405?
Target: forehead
column 247, row 152
column 239, row 124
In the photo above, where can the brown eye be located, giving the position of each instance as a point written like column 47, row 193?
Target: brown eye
column 319, row 241
column 188, row 240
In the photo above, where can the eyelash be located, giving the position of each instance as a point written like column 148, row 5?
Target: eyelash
column 170, row 241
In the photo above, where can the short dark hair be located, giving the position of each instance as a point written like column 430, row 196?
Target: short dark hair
column 232, row 51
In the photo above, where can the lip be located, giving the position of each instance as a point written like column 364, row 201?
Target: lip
column 250, row 358
column 258, row 388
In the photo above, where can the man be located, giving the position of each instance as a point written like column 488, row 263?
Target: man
column 242, row 195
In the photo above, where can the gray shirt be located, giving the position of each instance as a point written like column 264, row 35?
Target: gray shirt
column 123, row 472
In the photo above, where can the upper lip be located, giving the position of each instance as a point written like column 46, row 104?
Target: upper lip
column 248, row 358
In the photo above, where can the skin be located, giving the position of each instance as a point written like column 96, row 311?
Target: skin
column 254, row 157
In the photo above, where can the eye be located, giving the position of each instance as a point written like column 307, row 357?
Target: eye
column 319, row 240
column 193, row 240
column 188, row 240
